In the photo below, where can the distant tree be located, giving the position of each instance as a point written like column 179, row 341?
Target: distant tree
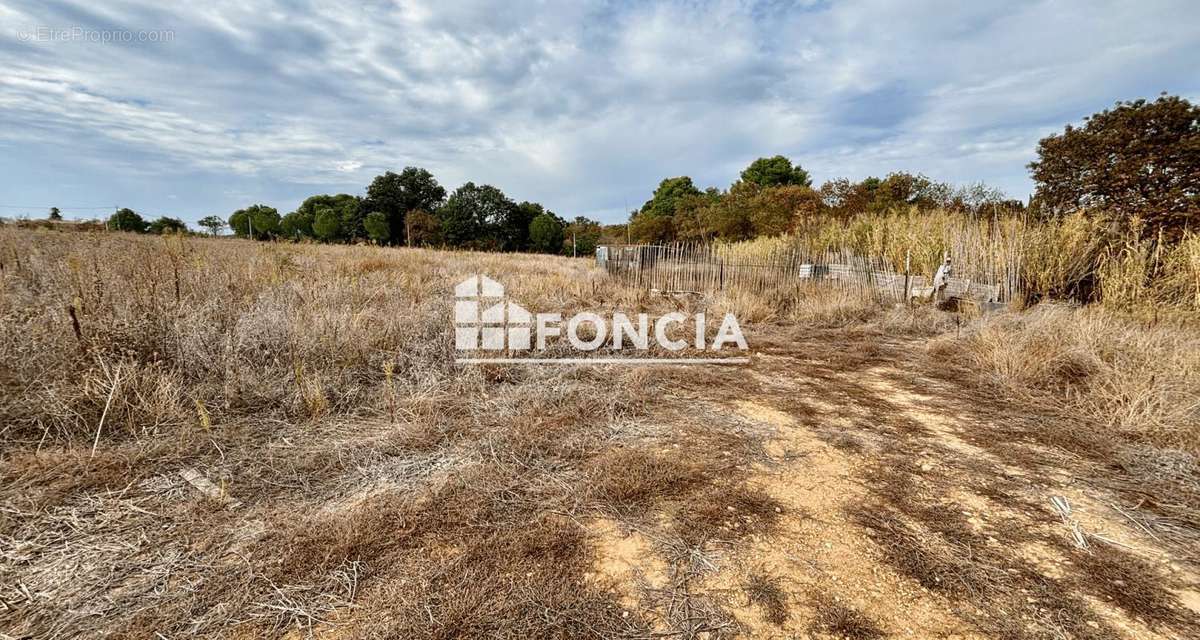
column 775, row 210
column 259, row 218
column 843, row 198
column 613, row 234
column 327, row 224
column 167, row 225
column 546, row 234
column 691, row 211
column 514, row 228
column 730, row 218
column 297, row 225
column 395, row 194
column 422, row 228
column 348, row 209
column 472, row 216
column 214, row 224
column 777, row 171
column 586, row 235
column 651, row 229
column 1139, row 158
column 127, row 220
column 667, row 195
column 376, row 224
column 55, row 214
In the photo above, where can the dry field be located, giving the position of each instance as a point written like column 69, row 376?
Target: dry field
column 229, row 439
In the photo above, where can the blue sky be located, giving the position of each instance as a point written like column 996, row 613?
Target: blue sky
column 583, row 106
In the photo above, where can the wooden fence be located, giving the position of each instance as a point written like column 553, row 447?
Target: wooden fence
column 708, row 267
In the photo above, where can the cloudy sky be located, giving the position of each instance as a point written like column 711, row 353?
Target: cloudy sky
column 583, row 106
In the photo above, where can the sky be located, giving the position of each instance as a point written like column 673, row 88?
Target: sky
column 191, row 109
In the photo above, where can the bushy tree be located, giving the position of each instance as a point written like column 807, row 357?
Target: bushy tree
column 423, row 229
column 378, row 229
column 167, row 225
column 347, row 208
column 777, row 171
column 472, row 216
column 259, row 218
column 667, row 196
column 214, row 224
column 652, row 229
column 55, row 214
column 327, row 224
column 546, row 233
column 655, row 221
column 691, row 212
column 127, row 220
column 514, row 228
column 584, row 233
column 1139, row 158
column 395, row 194
column 297, row 225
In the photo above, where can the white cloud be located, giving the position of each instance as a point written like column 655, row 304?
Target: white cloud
column 582, row 106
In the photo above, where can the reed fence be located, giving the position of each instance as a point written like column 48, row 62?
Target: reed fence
column 698, row 268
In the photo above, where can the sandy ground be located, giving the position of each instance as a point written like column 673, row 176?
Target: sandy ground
column 831, row 433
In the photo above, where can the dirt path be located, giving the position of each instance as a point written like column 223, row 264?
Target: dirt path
column 904, row 517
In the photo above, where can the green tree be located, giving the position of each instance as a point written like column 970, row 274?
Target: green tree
column 348, row 208
column 472, row 216
column 259, row 218
column 127, row 220
column 214, row 224
column 667, row 196
column 55, row 214
column 297, row 225
column 376, row 224
column 514, row 227
column 584, row 233
column 546, row 233
column 691, row 212
column 395, row 194
column 1139, row 158
column 327, row 224
column 777, row 171
column 167, row 225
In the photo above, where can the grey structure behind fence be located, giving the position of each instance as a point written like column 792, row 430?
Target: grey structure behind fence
column 706, row 267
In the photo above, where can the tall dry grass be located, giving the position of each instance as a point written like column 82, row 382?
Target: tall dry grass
column 140, row 335
column 1132, row 381
column 1077, row 257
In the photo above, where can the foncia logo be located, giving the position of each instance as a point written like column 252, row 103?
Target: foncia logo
column 490, row 328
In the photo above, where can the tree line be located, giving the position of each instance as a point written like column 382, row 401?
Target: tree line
column 1136, row 164
column 410, row 208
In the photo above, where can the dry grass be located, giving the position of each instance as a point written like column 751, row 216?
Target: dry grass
column 387, row 492
column 1120, row 377
column 383, row 487
column 837, row 620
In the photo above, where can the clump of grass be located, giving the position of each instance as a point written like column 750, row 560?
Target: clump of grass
column 629, row 478
column 764, row 591
column 726, row 512
column 839, row 620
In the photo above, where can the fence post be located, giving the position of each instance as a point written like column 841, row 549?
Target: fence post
column 907, row 261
